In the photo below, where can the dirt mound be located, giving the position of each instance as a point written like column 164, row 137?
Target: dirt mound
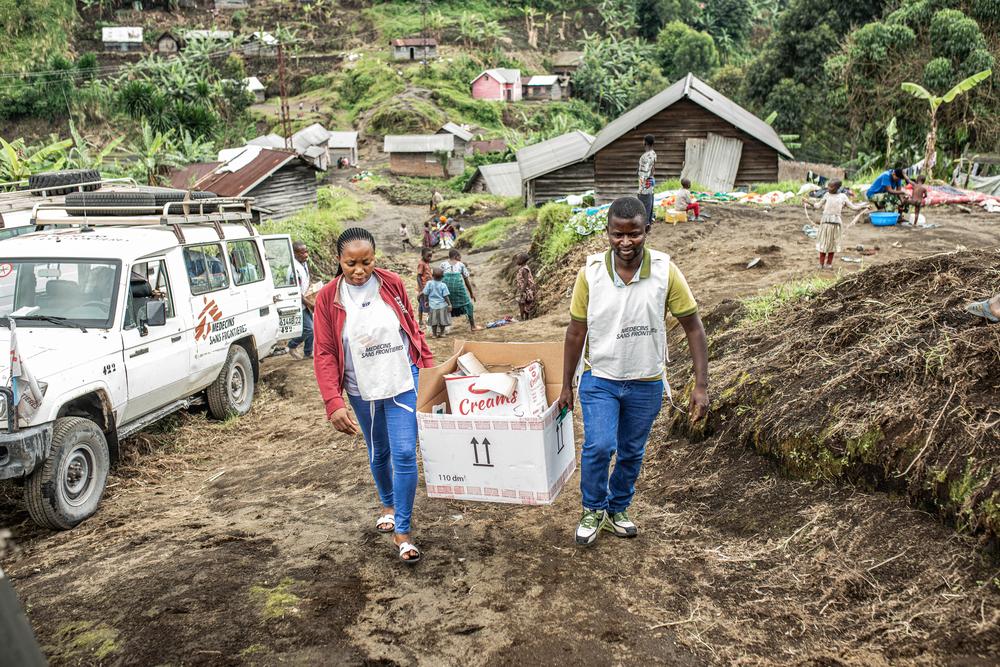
column 882, row 379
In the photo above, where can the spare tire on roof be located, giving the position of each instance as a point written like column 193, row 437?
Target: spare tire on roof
column 117, row 203
column 164, row 197
column 54, row 182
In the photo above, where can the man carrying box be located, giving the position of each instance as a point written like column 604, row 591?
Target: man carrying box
column 619, row 310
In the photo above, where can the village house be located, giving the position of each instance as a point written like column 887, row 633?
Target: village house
column 311, row 144
column 503, row 180
column 699, row 132
column 488, row 145
column 168, row 44
column 280, row 181
column 127, row 39
column 557, row 167
column 462, row 137
column 499, row 84
column 414, row 49
column 430, row 155
column 255, row 88
column 268, row 141
column 564, row 65
column 543, row 87
column 260, row 44
column 343, row 145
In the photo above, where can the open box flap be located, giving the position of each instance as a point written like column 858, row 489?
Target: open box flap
column 432, row 390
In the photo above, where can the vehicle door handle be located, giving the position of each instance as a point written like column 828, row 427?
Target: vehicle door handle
column 139, row 352
column 175, row 339
column 276, row 298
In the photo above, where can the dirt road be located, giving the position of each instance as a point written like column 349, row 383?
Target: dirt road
column 251, row 541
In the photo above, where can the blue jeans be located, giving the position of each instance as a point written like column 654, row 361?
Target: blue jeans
column 390, row 431
column 617, row 418
column 306, row 339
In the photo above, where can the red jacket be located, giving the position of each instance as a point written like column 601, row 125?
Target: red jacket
column 328, row 327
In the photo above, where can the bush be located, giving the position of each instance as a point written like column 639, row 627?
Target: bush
column 491, row 232
column 939, row 75
column 552, row 238
column 954, row 34
column 682, row 49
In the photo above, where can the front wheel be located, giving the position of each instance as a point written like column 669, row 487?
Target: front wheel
column 68, row 486
column 231, row 395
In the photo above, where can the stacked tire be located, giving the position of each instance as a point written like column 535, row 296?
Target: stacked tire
column 53, row 183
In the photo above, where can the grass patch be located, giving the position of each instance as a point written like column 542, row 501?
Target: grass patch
column 760, row 308
column 319, row 226
column 33, row 31
column 782, row 186
column 83, row 642
column 276, row 602
column 493, row 231
column 376, row 179
column 470, row 203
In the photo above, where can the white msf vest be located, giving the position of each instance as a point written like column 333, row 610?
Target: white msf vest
column 626, row 327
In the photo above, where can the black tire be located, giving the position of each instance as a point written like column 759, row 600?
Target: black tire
column 231, row 395
column 67, row 488
column 163, row 197
column 125, row 203
column 51, row 180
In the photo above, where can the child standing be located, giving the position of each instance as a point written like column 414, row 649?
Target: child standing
column 404, row 236
column 831, row 226
column 917, row 199
column 439, row 301
column 460, row 288
column 525, row 282
column 684, row 201
column 423, row 277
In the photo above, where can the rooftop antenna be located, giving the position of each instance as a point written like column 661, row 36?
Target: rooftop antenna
column 286, row 122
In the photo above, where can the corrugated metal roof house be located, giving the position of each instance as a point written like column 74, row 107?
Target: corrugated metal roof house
column 500, row 84
column 343, row 145
column 555, row 168
column 431, row 155
column 311, row 143
column 543, row 87
column 414, row 48
column 462, row 137
column 687, row 110
column 279, row 181
column 122, row 38
column 497, row 179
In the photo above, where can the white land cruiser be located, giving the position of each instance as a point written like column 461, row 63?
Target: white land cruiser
column 131, row 313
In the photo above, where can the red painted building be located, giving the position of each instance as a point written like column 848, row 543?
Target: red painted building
column 502, row 85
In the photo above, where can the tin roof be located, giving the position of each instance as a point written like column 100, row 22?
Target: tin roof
column 542, row 80
column 268, row 141
column 415, row 41
column 187, row 176
column 122, row 34
column 541, row 158
column 228, row 182
column 501, row 74
column 457, row 130
column 253, row 84
column 418, row 143
column 704, row 96
column 313, row 135
column 501, row 179
column 343, row 140
column 567, row 59
column 218, row 35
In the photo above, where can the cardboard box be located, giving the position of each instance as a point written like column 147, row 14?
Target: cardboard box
column 519, row 393
column 506, row 459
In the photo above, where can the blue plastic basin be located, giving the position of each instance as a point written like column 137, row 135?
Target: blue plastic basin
column 883, row 219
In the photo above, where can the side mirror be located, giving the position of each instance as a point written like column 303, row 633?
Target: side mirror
column 154, row 313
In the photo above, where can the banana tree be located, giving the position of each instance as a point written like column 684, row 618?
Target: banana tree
column 18, row 160
column 935, row 102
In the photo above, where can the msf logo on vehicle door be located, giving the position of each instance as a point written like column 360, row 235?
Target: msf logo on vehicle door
column 209, row 314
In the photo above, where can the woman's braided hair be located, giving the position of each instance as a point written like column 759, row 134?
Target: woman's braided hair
column 350, row 235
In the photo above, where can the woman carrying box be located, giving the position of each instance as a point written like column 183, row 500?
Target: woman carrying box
column 369, row 345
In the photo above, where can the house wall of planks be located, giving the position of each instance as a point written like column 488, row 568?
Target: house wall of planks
column 572, row 179
column 287, row 191
column 616, row 165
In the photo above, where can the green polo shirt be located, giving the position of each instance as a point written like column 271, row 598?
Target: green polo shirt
column 680, row 300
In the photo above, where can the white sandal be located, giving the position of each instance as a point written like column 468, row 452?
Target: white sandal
column 407, row 547
column 386, row 519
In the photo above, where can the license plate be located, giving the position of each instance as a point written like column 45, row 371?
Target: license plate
column 289, row 323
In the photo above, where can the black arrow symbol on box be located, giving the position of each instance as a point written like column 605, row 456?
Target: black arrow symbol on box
column 486, row 448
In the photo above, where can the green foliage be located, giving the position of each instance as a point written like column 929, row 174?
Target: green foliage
column 491, row 232
column 319, row 226
column 18, row 160
column 652, row 15
column 682, row 49
column 33, row 31
column 552, row 238
column 939, row 74
column 954, row 35
column 728, row 22
column 611, row 74
column 760, row 308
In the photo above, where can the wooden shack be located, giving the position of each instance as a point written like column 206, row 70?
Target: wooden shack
column 502, row 179
column 414, row 49
column 564, row 66
column 343, row 146
column 687, row 110
column 168, row 44
column 555, row 168
column 430, row 155
column 279, row 181
column 543, row 87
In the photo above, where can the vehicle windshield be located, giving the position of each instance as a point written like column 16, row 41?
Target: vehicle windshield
column 82, row 292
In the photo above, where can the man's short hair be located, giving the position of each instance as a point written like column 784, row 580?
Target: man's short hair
column 649, row 140
column 299, row 245
column 626, row 208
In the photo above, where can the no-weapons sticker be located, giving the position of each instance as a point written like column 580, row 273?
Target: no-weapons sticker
column 6, row 270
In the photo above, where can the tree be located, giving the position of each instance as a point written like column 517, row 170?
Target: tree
column 609, row 75
column 682, row 49
column 18, row 160
column 728, row 22
column 935, row 102
column 153, row 155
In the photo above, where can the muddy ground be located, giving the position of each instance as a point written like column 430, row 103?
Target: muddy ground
column 251, row 541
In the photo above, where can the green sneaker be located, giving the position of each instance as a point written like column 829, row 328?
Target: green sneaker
column 619, row 524
column 590, row 526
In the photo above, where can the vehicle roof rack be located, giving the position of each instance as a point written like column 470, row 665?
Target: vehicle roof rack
column 18, row 193
column 173, row 214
